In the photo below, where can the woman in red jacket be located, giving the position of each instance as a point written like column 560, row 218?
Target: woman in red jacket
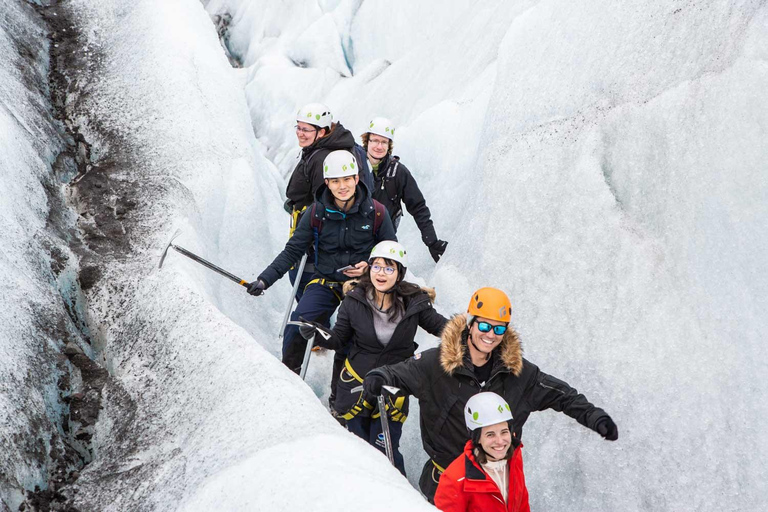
column 488, row 476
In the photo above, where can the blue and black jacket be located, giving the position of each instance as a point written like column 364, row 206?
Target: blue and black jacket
column 345, row 238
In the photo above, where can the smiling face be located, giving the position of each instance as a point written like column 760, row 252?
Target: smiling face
column 377, row 146
column 496, row 440
column 307, row 134
column 382, row 281
column 483, row 343
column 343, row 189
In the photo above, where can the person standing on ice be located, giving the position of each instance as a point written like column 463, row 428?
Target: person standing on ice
column 317, row 135
column 393, row 183
column 376, row 325
column 488, row 476
column 479, row 351
column 343, row 225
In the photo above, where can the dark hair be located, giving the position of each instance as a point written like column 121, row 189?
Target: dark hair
column 480, row 456
column 401, row 291
column 367, row 136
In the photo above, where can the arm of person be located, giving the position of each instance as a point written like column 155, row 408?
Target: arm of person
column 410, row 376
column 449, row 496
column 546, row 392
column 342, row 330
column 417, row 206
column 432, row 321
column 295, row 248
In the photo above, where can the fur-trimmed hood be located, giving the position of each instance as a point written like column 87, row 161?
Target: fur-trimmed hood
column 453, row 347
column 349, row 285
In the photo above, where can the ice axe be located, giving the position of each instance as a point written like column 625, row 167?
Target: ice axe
column 293, row 294
column 385, row 422
column 198, row 259
column 310, row 344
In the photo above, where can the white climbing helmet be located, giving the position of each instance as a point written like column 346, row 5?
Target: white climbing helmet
column 382, row 126
column 315, row 114
column 338, row 164
column 390, row 250
column 485, row 409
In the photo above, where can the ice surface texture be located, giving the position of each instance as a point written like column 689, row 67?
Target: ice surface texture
column 605, row 164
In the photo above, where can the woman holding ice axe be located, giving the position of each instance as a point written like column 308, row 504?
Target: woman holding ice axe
column 376, row 324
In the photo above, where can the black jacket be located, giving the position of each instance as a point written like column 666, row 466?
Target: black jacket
column 307, row 176
column 344, row 239
column 394, row 185
column 443, row 380
column 354, row 331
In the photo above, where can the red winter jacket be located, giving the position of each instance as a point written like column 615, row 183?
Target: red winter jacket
column 466, row 487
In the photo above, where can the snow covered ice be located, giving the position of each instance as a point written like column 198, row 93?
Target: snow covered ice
column 602, row 163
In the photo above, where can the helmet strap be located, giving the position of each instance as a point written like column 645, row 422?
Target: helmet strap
column 469, row 335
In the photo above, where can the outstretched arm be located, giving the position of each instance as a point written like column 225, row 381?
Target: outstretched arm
column 417, row 207
column 547, row 392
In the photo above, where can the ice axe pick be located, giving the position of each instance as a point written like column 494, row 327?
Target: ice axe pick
column 198, row 259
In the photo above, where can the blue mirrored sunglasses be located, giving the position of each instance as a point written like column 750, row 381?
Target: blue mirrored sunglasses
column 498, row 330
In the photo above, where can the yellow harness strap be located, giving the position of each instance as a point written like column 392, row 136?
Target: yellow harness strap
column 440, row 468
column 295, row 220
column 325, row 282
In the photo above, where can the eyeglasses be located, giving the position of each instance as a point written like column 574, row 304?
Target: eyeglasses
column 378, row 142
column 375, row 268
column 498, row 330
column 305, row 130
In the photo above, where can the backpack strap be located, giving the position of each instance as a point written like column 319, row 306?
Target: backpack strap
column 379, row 212
column 305, row 171
column 317, row 227
column 390, row 184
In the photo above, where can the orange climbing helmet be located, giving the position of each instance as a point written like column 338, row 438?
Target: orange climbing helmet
column 490, row 303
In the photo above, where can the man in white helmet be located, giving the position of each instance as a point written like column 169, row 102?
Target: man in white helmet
column 343, row 225
column 318, row 135
column 393, row 183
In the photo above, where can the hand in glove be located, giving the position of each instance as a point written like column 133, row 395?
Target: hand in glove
column 288, row 206
column 308, row 329
column 257, row 287
column 437, row 249
column 372, row 387
column 608, row 429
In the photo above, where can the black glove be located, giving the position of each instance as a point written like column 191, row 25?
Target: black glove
column 608, row 429
column 308, row 329
column 437, row 249
column 372, row 387
column 288, row 206
column 257, row 287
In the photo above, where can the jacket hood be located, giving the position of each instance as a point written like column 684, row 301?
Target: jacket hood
column 352, row 284
column 339, row 138
column 453, row 347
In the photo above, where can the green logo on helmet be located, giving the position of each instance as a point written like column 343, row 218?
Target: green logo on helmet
column 344, row 167
column 371, row 125
column 352, row 165
column 317, row 116
column 475, row 416
column 501, row 409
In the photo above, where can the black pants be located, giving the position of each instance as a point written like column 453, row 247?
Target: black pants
column 430, row 476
